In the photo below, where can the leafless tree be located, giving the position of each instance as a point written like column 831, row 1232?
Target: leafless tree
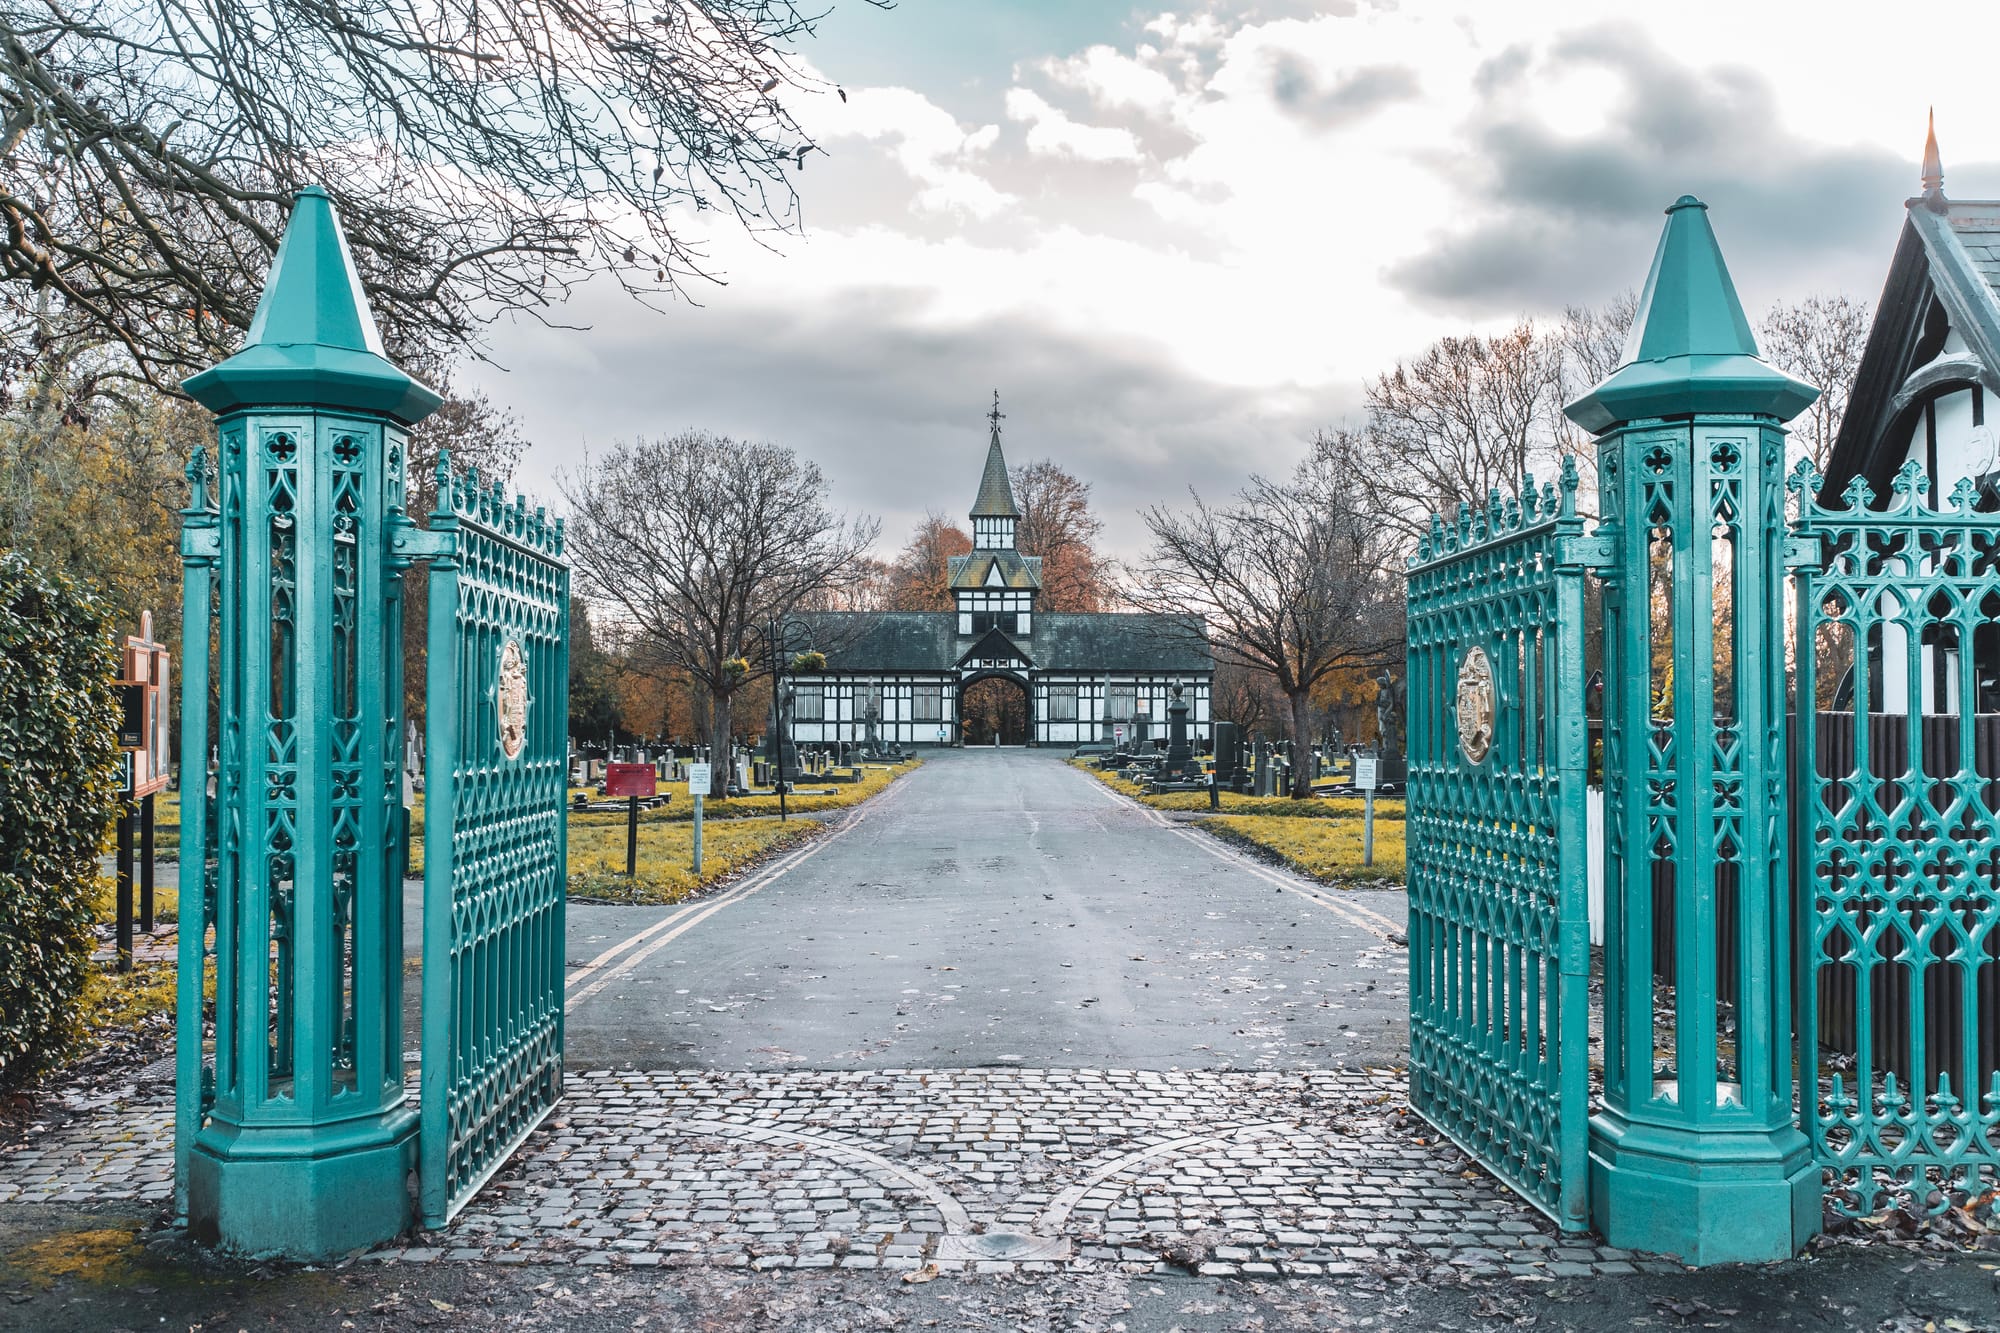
column 1464, row 416
column 1057, row 524
column 1293, row 580
column 484, row 156
column 1472, row 414
column 1820, row 340
column 697, row 541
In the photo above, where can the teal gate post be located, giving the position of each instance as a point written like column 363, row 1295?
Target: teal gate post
column 1499, row 921
column 495, row 853
column 1696, row 1152
column 1898, row 781
column 304, row 1148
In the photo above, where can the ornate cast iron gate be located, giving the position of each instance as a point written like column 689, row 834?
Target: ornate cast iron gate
column 495, row 864
column 1499, row 923
column 1898, row 791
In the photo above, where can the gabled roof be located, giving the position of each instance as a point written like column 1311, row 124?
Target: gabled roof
column 1016, row 570
column 1121, row 641
column 996, row 646
column 996, row 493
column 1947, row 262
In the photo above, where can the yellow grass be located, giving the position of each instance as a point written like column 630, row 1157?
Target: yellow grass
column 681, row 809
column 1328, row 850
column 166, row 898
column 666, row 850
column 1234, row 803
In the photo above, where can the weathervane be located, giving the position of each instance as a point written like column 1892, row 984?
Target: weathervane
column 996, row 416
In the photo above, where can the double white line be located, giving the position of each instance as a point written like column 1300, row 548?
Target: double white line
column 623, row 957
column 1346, row 908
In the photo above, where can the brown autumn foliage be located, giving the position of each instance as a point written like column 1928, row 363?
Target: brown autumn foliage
column 920, row 575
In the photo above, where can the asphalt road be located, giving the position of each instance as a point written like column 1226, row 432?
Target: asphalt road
column 996, row 908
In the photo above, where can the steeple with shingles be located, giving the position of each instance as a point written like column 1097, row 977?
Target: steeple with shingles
column 996, row 493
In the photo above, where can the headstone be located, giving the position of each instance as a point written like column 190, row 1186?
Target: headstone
column 1180, row 755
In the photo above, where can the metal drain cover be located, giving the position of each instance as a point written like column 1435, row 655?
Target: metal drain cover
column 1011, row 1245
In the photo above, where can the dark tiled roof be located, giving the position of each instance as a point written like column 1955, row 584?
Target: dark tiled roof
column 994, row 645
column 1067, row 642
column 1951, row 249
column 1016, row 570
column 889, row 640
column 996, row 495
column 1078, row 641
column 1976, row 223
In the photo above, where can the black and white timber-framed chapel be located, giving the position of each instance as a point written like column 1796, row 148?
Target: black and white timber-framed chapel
column 1082, row 676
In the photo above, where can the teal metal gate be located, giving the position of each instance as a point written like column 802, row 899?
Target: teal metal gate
column 1499, row 921
column 495, row 860
column 1898, row 787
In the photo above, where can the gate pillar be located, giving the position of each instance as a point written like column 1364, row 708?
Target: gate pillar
column 1696, row 1152
column 305, row 1150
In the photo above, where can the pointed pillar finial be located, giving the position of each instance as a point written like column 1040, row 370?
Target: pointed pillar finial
column 1933, row 177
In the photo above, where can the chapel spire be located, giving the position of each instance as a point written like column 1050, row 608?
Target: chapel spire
column 996, row 493
column 1933, row 177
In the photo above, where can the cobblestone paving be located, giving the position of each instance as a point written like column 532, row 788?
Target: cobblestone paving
column 1002, row 1170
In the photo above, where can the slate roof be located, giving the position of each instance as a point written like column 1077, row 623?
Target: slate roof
column 1118, row 641
column 1016, row 570
column 995, row 645
column 1949, row 250
column 996, row 493
column 928, row 641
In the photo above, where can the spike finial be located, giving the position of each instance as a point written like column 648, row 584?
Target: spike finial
column 996, row 416
column 1933, row 179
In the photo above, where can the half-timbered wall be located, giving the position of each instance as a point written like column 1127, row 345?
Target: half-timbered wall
column 1069, row 707
column 913, row 707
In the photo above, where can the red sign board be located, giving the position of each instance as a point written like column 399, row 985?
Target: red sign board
column 629, row 780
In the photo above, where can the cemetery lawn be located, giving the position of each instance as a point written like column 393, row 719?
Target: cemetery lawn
column 1328, row 850
column 1234, row 803
column 597, row 855
column 804, row 799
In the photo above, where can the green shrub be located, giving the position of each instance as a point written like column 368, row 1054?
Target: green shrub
column 59, row 781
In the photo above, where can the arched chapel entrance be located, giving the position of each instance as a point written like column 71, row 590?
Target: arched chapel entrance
column 995, row 704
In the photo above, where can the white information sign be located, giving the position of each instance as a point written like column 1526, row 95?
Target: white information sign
column 698, row 779
column 1364, row 771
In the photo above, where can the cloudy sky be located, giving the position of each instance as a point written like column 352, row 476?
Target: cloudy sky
column 1177, row 241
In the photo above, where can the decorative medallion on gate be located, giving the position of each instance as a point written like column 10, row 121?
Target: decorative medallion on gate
column 495, row 862
column 1499, row 921
column 1475, row 706
column 513, row 699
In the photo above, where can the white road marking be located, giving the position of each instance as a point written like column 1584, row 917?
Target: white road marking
column 1352, row 912
column 694, row 914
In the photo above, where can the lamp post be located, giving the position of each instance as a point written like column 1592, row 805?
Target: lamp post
column 777, row 633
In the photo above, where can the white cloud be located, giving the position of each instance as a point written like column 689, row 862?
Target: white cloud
column 940, row 155
column 1052, row 132
column 1234, row 206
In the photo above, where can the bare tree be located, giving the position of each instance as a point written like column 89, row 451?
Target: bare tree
column 477, row 433
column 920, row 575
column 697, row 541
column 1293, row 580
column 1820, row 340
column 1057, row 524
column 483, row 156
column 1465, row 416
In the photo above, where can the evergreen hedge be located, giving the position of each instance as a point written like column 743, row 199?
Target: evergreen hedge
column 59, row 788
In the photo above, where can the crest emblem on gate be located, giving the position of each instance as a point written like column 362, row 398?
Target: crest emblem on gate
column 513, row 699
column 1475, row 706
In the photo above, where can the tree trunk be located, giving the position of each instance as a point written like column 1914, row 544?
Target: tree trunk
column 1302, row 781
column 721, row 760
